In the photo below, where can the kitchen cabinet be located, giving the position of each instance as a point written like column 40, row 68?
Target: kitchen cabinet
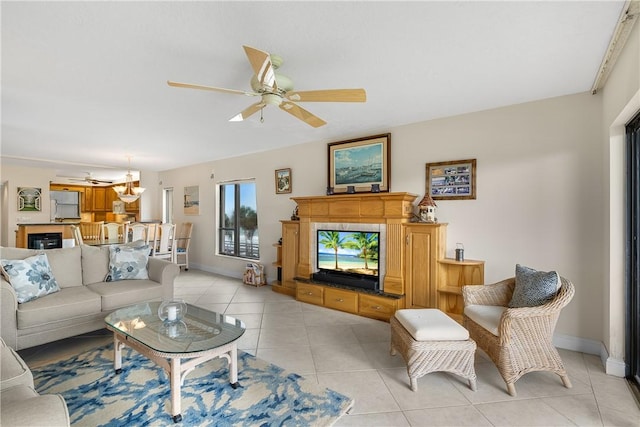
column 87, row 200
column 100, row 199
column 112, row 196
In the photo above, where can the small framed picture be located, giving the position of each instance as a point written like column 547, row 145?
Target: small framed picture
column 283, row 181
column 454, row 180
column 29, row 199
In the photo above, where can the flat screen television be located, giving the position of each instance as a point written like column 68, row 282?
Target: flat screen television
column 348, row 258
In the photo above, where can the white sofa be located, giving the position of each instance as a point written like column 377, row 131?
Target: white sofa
column 84, row 298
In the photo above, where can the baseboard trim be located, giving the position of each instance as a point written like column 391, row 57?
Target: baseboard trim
column 615, row 367
column 582, row 345
column 611, row 366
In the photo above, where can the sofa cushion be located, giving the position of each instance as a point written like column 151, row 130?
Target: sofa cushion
column 487, row 316
column 127, row 262
column 66, row 265
column 95, row 263
column 31, row 277
column 126, row 292
column 13, row 370
column 67, row 304
column 533, row 288
column 17, row 253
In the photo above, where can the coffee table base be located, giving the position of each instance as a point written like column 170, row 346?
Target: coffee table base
column 177, row 365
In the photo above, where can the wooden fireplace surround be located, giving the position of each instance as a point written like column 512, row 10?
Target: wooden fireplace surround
column 415, row 267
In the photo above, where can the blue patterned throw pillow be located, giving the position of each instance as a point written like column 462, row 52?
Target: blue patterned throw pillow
column 31, row 277
column 534, row 288
column 127, row 262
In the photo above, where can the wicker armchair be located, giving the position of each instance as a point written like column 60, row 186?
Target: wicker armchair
column 523, row 343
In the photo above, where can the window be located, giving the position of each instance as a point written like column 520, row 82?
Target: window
column 238, row 232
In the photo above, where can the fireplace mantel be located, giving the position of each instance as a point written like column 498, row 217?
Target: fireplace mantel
column 364, row 207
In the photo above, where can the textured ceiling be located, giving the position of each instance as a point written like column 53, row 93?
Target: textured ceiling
column 85, row 82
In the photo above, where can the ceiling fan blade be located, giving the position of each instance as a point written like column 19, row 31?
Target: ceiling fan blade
column 302, row 114
column 262, row 66
column 212, row 88
column 252, row 109
column 329, row 95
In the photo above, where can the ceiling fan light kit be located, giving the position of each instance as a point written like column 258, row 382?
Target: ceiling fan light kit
column 276, row 89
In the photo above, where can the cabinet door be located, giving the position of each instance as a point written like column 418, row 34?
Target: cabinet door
column 289, row 253
column 111, row 197
column 87, row 200
column 421, row 251
column 99, row 199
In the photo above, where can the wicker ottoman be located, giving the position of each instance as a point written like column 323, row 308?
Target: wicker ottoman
column 430, row 341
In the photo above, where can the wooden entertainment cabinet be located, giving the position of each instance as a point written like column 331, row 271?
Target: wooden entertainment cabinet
column 417, row 274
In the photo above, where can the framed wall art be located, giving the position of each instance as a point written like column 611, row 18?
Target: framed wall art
column 283, row 181
column 192, row 200
column 360, row 165
column 29, row 199
column 454, row 180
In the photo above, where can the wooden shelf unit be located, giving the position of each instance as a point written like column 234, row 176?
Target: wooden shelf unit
column 453, row 276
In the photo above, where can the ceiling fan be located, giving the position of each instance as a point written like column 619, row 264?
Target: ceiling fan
column 88, row 179
column 276, row 89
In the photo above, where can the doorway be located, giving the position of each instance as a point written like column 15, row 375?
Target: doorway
column 167, row 205
column 632, row 334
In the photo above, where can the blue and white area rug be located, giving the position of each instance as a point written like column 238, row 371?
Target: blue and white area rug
column 140, row 395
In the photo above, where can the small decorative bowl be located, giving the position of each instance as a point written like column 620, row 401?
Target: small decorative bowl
column 172, row 311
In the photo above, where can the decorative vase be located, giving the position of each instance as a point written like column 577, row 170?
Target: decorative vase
column 172, row 311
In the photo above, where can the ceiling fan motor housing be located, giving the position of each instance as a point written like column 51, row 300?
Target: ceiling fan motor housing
column 285, row 84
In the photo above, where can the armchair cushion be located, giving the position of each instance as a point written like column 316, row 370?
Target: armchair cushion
column 534, row 288
column 487, row 316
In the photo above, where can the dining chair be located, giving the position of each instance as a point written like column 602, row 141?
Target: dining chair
column 77, row 235
column 152, row 237
column 166, row 247
column 113, row 231
column 136, row 231
column 92, row 230
column 182, row 241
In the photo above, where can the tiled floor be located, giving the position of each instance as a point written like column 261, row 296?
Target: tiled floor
column 350, row 354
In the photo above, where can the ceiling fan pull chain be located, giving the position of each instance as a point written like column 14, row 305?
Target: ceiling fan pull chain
column 261, row 117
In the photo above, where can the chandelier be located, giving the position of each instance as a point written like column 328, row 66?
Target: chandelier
column 127, row 192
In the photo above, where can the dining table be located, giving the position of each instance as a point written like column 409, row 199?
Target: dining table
column 104, row 242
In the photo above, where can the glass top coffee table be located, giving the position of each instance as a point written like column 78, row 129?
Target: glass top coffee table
column 179, row 346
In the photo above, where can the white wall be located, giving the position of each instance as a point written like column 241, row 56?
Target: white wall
column 539, row 193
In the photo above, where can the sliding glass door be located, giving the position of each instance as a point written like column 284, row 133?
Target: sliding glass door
column 632, row 339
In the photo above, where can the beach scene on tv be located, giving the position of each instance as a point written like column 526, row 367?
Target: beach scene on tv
column 348, row 251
